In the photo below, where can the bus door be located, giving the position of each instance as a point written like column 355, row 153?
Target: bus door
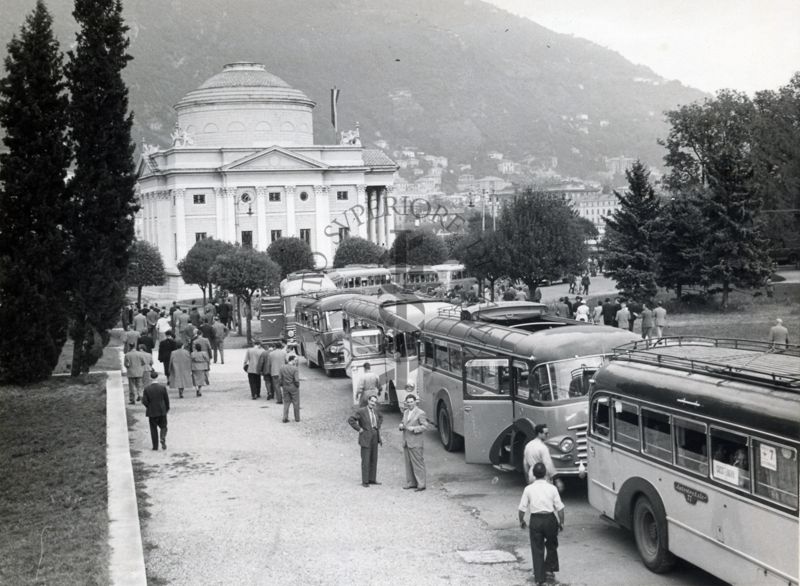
column 365, row 345
column 488, row 409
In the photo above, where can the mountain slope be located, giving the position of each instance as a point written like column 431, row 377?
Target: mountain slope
column 457, row 78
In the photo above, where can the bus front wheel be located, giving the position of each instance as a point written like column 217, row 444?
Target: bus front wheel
column 321, row 358
column 450, row 439
column 650, row 532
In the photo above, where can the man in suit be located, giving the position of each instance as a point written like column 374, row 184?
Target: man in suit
column 156, row 401
column 254, row 360
column 367, row 422
column 290, row 382
column 368, row 386
column 276, row 359
column 137, row 364
column 660, row 315
column 413, row 426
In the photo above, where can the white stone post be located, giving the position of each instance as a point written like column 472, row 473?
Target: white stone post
column 262, row 236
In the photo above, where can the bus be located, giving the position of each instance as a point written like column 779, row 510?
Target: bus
column 383, row 331
column 693, row 445
column 487, row 386
column 319, row 332
column 294, row 286
column 368, row 279
column 451, row 275
column 523, row 315
column 415, row 277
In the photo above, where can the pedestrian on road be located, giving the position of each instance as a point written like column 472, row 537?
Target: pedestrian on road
column 165, row 350
column 254, row 360
column 582, row 312
column 660, row 316
column 200, row 367
column 368, row 386
column 597, row 313
column 609, row 312
column 541, row 501
column 131, row 339
column 635, row 309
column 778, row 336
column 163, row 325
column 290, row 383
column 367, row 422
column 220, row 332
column 146, row 340
column 205, row 343
column 413, row 426
column 137, row 364
column 647, row 322
column 623, row 316
column 156, row 400
column 537, row 451
column 180, row 370
column 276, row 359
column 140, row 321
column 194, row 316
column 152, row 320
column 585, row 282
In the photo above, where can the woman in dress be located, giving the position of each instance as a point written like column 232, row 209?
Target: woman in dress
column 200, row 368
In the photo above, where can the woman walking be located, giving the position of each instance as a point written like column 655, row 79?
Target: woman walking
column 200, row 368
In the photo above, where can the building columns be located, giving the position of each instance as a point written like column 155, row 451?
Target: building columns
column 323, row 227
column 361, row 203
column 262, row 237
column 291, row 220
column 231, row 220
column 180, row 222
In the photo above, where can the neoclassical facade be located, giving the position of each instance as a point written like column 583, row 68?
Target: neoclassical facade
column 243, row 167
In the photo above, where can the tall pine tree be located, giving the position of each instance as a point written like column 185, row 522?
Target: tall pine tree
column 102, row 189
column 629, row 243
column 33, row 211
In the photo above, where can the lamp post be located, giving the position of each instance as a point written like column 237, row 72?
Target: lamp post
column 494, row 212
column 483, row 211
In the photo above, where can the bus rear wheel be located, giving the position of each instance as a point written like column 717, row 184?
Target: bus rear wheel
column 450, row 439
column 650, row 532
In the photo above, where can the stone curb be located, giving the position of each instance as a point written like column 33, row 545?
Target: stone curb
column 126, row 558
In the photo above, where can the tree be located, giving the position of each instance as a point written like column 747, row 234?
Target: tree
column 33, row 204
column 145, row 267
column 243, row 271
column 417, row 247
column 354, row 250
column 483, row 255
column 102, row 188
column 681, row 240
column 629, row 243
column 541, row 238
column 195, row 268
column 709, row 151
column 291, row 254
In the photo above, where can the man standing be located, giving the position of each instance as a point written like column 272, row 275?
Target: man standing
column 140, row 321
column 131, row 339
column 368, row 386
column 220, row 332
column 537, row 451
column 413, row 425
column 180, row 370
column 609, row 312
column 276, row 359
column 647, row 322
column 165, row 350
column 623, row 316
column 367, row 422
column 253, row 366
column 290, row 382
column 137, row 365
column 224, row 313
column 205, row 344
column 180, row 319
column 543, row 503
column 660, row 315
column 156, row 401
column 152, row 320
column 778, row 336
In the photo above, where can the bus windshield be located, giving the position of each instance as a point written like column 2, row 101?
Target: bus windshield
column 563, row 380
column 334, row 320
column 365, row 342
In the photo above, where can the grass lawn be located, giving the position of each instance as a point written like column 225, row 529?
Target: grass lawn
column 53, row 491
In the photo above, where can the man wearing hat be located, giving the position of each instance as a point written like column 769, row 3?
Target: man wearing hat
column 368, row 386
column 413, row 426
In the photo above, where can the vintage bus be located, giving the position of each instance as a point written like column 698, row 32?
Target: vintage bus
column 524, row 315
column 295, row 286
column 318, row 329
column 415, row 277
column 367, row 279
column 693, row 445
column 383, row 331
column 452, row 274
column 487, row 386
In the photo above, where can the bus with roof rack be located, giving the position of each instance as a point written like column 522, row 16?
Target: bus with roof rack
column 292, row 288
column 367, row 279
column 488, row 385
column 693, row 445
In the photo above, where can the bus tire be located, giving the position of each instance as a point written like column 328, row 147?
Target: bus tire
column 311, row 363
column 650, row 533
column 328, row 371
column 451, row 441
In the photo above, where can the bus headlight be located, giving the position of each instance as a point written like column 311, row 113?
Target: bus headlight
column 335, row 348
column 566, row 444
column 290, row 333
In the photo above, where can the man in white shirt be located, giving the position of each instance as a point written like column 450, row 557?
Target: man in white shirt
column 537, row 451
column 542, row 502
column 660, row 316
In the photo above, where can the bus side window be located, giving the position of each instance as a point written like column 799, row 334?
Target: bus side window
column 775, row 472
column 690, row 445
column 539, row 382
column 601, row 417
column 505, row 380
column 411, row 345
column 441, row 360
column 521, row 374
column 315, row 321
column 730, row 462
column 626, row 424
column 428, row 353
column 657, row 435
column 456, row 360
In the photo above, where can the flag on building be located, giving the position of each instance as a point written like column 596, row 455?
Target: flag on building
column 334, row 100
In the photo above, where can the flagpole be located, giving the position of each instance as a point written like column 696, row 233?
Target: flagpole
column 334, row 113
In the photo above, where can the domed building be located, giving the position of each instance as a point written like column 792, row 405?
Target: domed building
column 243, row 167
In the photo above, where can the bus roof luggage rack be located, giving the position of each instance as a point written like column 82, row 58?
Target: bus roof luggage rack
column 747, row 360
column 455, row 311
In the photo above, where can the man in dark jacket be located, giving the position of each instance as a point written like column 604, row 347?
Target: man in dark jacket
column 367, row 422
column 165, row 350
column 609, row 312
column 156, row 399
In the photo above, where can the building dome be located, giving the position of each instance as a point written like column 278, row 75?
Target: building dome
column 246, row 106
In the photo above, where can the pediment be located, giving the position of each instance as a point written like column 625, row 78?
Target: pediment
column 274, row 158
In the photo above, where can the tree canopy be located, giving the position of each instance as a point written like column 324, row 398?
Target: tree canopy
column 196, row 266
column 417, row 247
column 291, row 254
column 145, row 267
column 243, row 271
column 33, row 203
column 355, row 250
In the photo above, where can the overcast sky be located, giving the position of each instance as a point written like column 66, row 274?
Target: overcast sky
column 746, row 45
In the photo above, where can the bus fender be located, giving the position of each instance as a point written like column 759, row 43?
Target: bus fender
column 521, row 434
column 626, row 498
column 444, row 397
